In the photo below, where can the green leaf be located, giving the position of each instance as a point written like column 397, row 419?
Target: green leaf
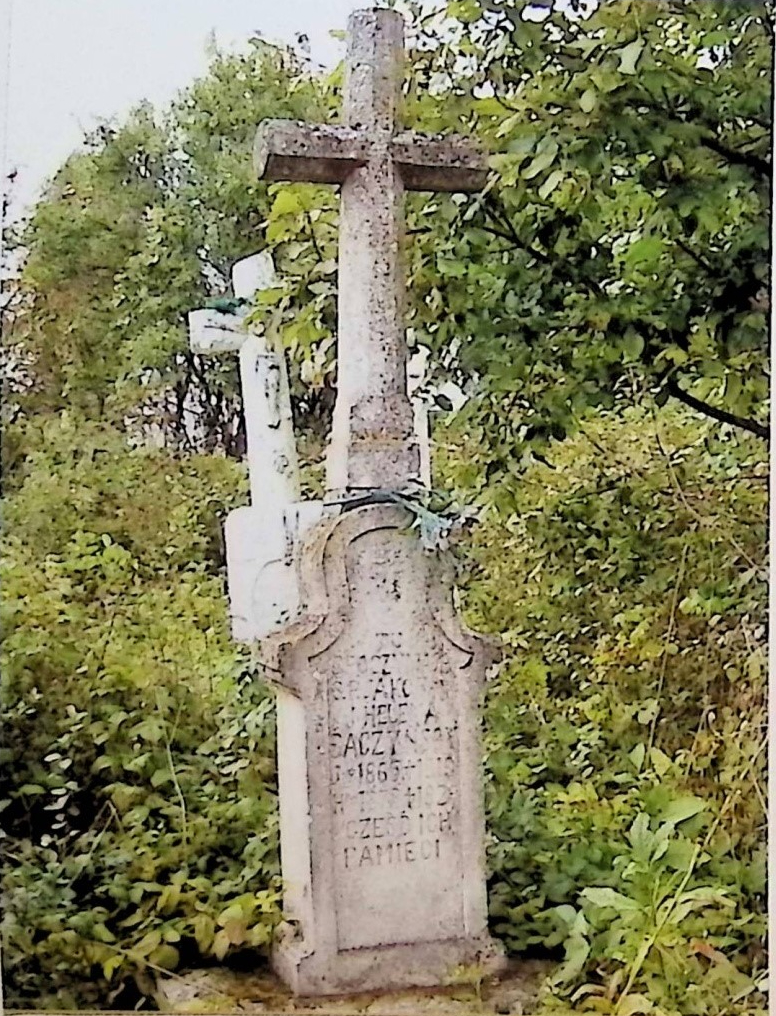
column 102, row 934
column 221, row 944
column 640, row 835
column 550, row 183
column 234, row 912
column 636, row 755
column 543, row 159
column 632, row 344
column 160, row 777
column 465, row 11
column 111, row 965
column 675, row 354
column 577, row 950
column 521, row 145
column 648, row 248
column 269, row 297
column 683, row 808
column 606, row 897
column 660, row 762
column 166, row 956
column 204, row 932
column 286, row 202
column 588, row 100
column 629, row 56
column 634, row 1005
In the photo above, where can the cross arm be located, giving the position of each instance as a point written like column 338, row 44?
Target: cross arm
column 439, row 162
column 316, row 153
column 213, row 332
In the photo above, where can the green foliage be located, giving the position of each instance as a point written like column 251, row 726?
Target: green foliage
column 631, row 186
column 623, row 233
column 626, row 728
column 618, row 256
column 138, row 788
column 133, row 233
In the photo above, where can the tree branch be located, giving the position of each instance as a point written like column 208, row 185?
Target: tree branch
column 313, row 237
column 708, row 136
column 735, row 155
column 500, row 215
column 721, row 415
column 696, row 257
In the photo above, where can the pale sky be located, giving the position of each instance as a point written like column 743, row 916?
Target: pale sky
column 67, row 64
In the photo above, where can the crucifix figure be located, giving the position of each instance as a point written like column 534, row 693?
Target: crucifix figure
column 374, row 161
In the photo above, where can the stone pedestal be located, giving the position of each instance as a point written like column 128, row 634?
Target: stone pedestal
column 382, row 829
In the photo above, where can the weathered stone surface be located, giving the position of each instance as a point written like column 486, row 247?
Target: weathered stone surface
column 438, row 162
column 261, row 537
column 329, row 153
column 252, row 274
column 373, row 442
column 272, row 458
column 210, row 331
column 382, row 827
column 263, row 592
column 261, row 566
column 382, row 831
column 314, row 153
column 416, row 369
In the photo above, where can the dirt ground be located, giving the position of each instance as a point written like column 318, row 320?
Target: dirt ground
column 217, row 990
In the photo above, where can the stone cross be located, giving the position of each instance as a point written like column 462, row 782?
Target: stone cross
column 373, row 444
column 261, row 537
column 272, row 459
column 382, row 833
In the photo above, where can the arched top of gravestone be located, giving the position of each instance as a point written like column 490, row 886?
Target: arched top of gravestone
column 341, row 568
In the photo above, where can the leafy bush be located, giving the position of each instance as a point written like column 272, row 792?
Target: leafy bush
column 138, row 793
column 626, row 727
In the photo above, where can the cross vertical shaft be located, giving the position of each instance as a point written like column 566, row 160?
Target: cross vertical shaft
column 372, row 444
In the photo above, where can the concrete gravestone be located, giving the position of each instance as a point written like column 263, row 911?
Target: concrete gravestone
column 260, row 537
column 382, row 830
column 380, row 795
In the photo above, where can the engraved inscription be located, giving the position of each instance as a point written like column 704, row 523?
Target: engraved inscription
column 394, row 754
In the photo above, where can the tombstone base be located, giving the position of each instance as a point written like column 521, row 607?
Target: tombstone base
column 383, row 968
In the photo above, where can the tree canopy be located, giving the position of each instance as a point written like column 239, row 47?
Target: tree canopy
column 621, row 244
